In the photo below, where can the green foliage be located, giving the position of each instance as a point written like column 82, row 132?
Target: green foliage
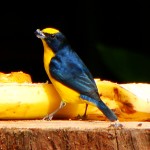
column 126, row 65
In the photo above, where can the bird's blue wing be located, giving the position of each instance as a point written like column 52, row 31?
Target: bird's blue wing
column 68, row 68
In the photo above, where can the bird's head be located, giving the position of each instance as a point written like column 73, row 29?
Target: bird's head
column 52, row 38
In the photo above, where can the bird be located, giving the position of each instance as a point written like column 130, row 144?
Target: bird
column 68, row 73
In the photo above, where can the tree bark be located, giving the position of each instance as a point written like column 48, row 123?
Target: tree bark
column 73, row 135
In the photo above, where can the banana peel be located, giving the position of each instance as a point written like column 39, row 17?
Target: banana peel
column 130, row 102
column 125, row 101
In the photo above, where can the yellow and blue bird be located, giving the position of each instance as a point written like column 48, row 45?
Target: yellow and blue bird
column 68, row 73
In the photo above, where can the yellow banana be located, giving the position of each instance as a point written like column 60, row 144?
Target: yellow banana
column 26, row 100
column 34, row 101
column 124, row 99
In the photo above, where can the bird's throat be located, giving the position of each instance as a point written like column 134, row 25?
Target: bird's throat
column 48, row 55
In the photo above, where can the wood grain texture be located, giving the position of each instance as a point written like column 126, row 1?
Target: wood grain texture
column 73, row 135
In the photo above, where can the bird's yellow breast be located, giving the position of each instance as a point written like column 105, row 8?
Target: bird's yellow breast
column 67, row 94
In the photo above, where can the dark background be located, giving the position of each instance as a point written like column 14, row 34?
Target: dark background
column 111, row 38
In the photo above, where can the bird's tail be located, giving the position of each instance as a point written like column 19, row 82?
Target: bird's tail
column 102, row 107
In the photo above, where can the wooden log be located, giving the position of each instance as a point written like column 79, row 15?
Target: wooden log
column 73, row 135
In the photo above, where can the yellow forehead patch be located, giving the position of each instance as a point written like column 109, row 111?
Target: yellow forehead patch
column 50, row 30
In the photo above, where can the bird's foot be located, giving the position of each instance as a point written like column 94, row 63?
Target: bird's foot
column 48, row 117
column 116, row 125
column 80, row 117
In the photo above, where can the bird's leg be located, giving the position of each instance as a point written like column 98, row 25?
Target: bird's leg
column 50, row 116
column 83, row 117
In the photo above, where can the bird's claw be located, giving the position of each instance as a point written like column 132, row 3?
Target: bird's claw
column 48, row 117
column 116, row 125
column 84, row 117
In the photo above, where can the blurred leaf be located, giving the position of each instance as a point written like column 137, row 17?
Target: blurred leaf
column 126, row 65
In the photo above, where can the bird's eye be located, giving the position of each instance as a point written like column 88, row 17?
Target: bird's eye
column 52, row 36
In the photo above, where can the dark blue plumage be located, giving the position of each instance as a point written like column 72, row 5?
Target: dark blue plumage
column 67, row 68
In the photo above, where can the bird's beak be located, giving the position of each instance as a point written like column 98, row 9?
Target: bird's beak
column 39, row 34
